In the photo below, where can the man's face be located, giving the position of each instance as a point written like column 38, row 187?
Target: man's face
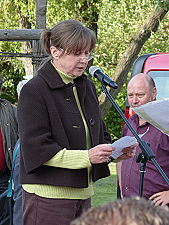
column 139, row 93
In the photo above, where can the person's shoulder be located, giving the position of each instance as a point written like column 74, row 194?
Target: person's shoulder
column 133, row 120
column 88, row 80
column 45, row 69
column 133, row 117
column 6, row 102
column 84, row 78
column 32, row 84
column 7, row 106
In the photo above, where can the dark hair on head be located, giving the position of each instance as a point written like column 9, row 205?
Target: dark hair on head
column 45, row 40
column 70, row 35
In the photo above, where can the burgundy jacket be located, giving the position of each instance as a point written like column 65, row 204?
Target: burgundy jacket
column 49, row 120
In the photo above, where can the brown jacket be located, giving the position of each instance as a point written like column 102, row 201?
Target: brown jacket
column 49, row 120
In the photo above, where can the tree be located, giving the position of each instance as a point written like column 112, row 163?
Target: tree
column 125, row 63
column 114, row 21
column 117, row 24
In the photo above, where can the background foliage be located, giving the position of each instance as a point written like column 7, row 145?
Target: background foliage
column 115, row 21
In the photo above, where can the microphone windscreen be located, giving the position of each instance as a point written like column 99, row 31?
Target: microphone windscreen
column 92, row 70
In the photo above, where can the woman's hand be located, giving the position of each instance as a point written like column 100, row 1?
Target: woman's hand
column 160, row 198
column 100, row 153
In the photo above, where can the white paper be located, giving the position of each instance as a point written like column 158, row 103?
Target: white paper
column 156, row 113
column 124, row 142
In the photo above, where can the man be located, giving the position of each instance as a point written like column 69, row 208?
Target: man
column 8, row 138
column 141, row 89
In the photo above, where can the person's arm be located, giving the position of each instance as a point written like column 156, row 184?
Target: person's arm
column 70, row 159
column 160, row 198
column 37, row 145
column 76, row 159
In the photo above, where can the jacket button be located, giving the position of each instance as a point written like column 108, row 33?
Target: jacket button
column 67, row 99
column 91, row 122
column 76, row 126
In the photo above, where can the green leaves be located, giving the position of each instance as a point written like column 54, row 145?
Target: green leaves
column 114, row 21
column 161, row 3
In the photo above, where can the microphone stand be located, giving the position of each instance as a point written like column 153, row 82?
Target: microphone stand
column 146, row 153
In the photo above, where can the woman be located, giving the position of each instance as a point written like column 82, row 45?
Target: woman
column 63, row 138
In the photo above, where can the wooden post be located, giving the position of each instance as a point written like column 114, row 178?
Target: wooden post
column 20, row 34
column 40, row 24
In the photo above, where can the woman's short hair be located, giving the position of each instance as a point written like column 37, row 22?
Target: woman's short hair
column 70, row 35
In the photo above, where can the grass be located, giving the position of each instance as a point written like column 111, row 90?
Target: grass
column 106, row 188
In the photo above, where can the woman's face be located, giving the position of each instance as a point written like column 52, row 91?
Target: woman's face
column 71, row 64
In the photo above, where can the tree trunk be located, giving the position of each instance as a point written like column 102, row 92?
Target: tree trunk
column 89, row 17
column 26, row 46
column 131, row 53
column 40, row 24
column 19, row 34
column 31, row 65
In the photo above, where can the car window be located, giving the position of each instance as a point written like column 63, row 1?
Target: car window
column 161, row 79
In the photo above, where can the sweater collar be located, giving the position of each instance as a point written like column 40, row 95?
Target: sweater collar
column 52, row 77
column 65, row 77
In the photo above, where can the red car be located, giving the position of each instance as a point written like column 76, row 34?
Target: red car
column 155, row 65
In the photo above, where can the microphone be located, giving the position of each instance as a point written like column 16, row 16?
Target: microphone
column 94, row 71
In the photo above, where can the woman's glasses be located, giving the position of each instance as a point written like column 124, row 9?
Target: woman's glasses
column 88, row 56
